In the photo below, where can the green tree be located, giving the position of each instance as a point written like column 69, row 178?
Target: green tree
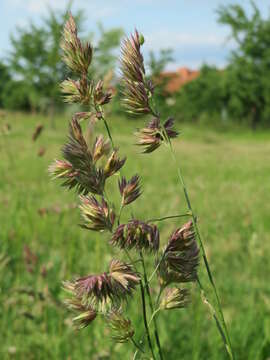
column 157, row 64
column 204, row 95
column 35, row 60
column 249, row 70
column 4, row 80
column 105, row 50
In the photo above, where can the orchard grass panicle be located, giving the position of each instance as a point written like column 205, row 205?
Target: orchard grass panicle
column 86, row 168
column 130, row 190
column 136, row 234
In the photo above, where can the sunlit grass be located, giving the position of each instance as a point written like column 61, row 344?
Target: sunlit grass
column 228, row 176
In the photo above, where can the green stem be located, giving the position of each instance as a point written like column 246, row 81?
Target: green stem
column 209, row 273
column 153, row 315
column 100, row 110
column 137, row 345
column 144, row 311
column 127, row 253
column 213, row 312
column 108, row 131
column 151, row 307
column 120, row 213
column 159, row 294
column 145, row 321
column 158, row 265
column 168, row 217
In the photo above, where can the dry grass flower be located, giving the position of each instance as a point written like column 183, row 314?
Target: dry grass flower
column 137, row 90
column 152, row 136
column 121, row 327
column 97, row 216
column 76, row 55
column 174, row 298
column 136, row 234
column 102, row 291
column 113, row 164
column 130, row 190
column 180, row 258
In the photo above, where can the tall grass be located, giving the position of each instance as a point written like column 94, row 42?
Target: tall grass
column 105, row 295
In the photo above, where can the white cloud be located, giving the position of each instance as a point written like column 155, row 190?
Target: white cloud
column 170, row 39
column 36, row 6
column 39, row 6
column 95, row 9
column 196, row 64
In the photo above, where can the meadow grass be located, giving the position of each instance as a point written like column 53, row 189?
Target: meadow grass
column 228, row 177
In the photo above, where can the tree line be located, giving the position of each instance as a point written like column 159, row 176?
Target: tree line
column 30, row 74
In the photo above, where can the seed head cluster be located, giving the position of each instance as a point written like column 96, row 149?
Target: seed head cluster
column 87, row 164
column 174, row 298
column 136, row 234
column 152, row 136
column 137, row 91
column 97, row 216
column 80, row 169
column 121, row 327
column 99, row 292
column 180, row 257
column 130, row 190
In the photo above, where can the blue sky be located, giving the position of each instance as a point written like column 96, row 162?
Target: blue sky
column 189, row 27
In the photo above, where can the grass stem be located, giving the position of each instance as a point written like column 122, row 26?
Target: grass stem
column 168, row 217
column 151, row 306
column 209, row 273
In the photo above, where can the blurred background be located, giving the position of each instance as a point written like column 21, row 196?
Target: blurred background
column 210, row 64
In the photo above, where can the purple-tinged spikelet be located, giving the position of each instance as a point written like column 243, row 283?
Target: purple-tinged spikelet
column 181, row 256
column 136, row 234
column 121, row 327
column 152, row 136
column 101, row 147
column 137, row 91
column 114, row 164
column 182, row 238
column 61, row 169
column 85, row 318
column 86, row 314
column 129, row 190
column 79, row 91
column 38, row 130
column 102, row 291
column 87, row 178
column 100, row 96
column 97, row 216
column 76, row 55
column 174, row 298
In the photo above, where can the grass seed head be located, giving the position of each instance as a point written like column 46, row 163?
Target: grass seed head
column 137, row 91
column 136, row 234
column 181, row 256
column 129, row 190
column 97, row 216
column 114, row 164
column 101, row 148
column 121, row 327
column 174, row 298
column 152, row 136
column 101, row 292
column 101, row 97
column 76, row 55
column 124, row 276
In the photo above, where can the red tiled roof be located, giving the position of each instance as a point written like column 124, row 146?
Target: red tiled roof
column 178, row 78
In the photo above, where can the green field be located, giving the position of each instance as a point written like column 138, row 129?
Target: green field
column 228, row 176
